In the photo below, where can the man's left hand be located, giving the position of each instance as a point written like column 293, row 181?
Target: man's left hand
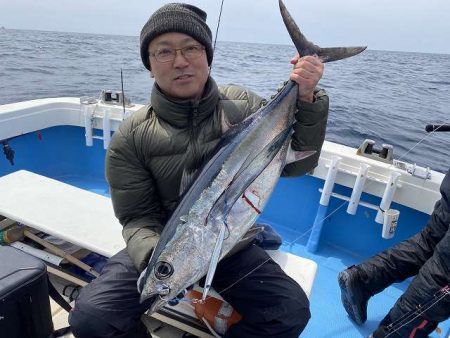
column 307, row 72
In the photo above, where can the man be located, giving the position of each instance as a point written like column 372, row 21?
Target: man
column 426, row 255
column 144, row 165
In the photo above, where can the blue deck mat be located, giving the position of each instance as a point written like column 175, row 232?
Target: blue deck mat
column 328, row 317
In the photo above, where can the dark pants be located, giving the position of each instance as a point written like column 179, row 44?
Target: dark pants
column 271, row 303
column 425, row 256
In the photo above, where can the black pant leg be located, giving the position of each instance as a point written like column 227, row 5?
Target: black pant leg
column 432, row 277
column 271, row 303
column 109, row 306
column 406, row 258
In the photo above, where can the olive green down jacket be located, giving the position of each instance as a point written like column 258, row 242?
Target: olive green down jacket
column 151, row 148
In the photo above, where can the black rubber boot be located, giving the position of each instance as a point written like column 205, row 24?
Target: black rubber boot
column 353, row 294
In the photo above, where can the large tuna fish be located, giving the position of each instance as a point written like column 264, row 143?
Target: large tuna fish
column 232, row 188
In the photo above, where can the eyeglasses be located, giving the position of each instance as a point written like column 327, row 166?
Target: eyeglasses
column 169, row 54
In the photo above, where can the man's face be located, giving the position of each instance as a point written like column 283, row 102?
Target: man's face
column 181, row 78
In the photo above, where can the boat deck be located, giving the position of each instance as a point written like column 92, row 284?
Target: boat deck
column 345, row 239
column 326, row 296
column 328, row 316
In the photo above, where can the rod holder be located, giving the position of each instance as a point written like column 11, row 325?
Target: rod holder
column 388, row 195
column 329, row 182
column 106, row 128
column 358, row 189
column 88, row 127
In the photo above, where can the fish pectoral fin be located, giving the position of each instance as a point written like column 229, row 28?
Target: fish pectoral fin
column 338, row 53
column 295, row 156
column 214, row 260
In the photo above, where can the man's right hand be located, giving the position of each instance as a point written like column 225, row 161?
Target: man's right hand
column 140, row 246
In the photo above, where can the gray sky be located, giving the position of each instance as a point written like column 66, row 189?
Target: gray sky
column 400, row 25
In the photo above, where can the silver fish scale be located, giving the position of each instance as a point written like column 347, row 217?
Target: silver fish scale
column 196, row 240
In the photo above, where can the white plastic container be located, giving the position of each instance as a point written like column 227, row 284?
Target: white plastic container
column 390, row 223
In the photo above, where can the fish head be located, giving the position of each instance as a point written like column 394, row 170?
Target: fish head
column 171, row 274
column 153, row 287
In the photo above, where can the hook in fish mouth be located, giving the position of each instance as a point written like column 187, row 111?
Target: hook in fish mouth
column 163, row 290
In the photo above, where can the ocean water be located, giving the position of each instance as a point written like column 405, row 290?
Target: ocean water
column 386, row 96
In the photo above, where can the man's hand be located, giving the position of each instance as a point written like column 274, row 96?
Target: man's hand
column 140, row 244
column 307, row 72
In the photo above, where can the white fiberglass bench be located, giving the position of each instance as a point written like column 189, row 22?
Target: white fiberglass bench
column 87, row 220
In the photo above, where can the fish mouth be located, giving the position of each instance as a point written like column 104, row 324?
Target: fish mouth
column 158, row 302
column 147, row 298
column 159, row 296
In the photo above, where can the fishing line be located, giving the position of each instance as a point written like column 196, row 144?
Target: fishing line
column 436, row 298
column 427, row 135
column 247, row 274
column 194, row 300
column 310, row 229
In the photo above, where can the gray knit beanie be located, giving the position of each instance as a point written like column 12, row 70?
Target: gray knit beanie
column 176, row 17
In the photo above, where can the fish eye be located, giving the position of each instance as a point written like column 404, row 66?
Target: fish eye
column 163, row 270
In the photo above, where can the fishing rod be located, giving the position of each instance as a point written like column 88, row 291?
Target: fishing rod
column 217, row 32
column 123, row 93
column 435, row 127
column 218, row 24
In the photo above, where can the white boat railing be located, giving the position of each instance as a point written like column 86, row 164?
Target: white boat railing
column 99, row 119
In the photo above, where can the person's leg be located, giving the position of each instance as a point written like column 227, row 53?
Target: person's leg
column 109, row 306
column 404, row 259
column 271, row 303
column 358, row 283
column 432, row 277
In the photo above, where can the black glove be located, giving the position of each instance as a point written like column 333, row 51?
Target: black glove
column 140, row 246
